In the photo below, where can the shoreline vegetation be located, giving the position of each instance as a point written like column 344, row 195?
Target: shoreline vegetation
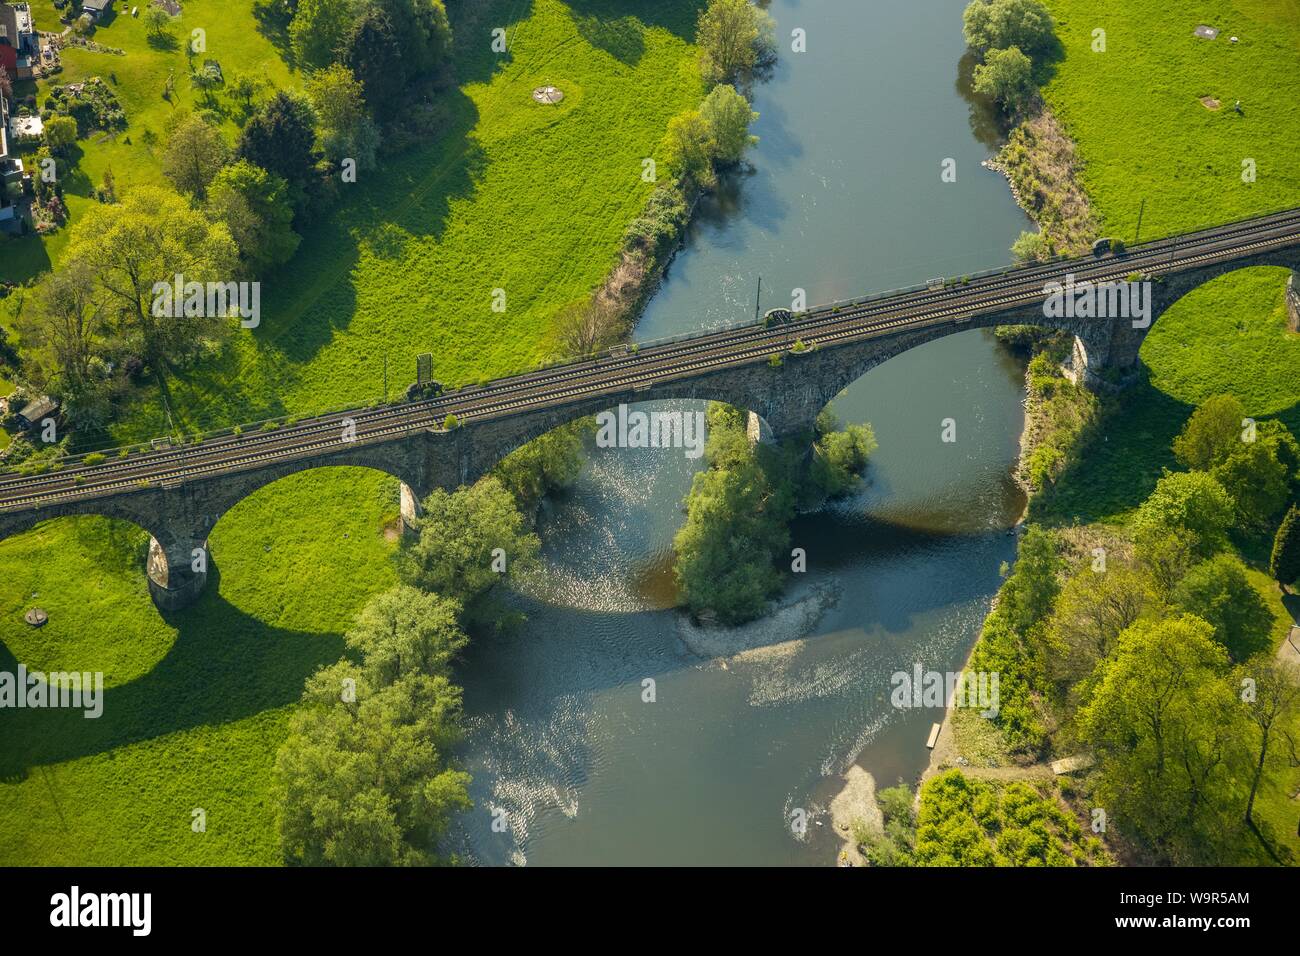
column 1088, row 610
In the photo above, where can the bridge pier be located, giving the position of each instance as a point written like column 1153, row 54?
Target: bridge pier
column 411, row 509
column 1293, row 300
column 177, row 573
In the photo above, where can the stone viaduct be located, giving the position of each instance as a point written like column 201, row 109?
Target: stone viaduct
column 787, row 398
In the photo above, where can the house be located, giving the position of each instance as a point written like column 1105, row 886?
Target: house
column 4, row 129
column 20, row 47
column 96, row 8
column 34, row 412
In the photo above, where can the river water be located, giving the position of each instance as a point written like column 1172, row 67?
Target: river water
column 571, row 758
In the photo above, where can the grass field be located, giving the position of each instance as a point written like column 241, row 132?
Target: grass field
column 517, row 196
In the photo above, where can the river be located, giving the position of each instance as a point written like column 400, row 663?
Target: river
column 573, row 762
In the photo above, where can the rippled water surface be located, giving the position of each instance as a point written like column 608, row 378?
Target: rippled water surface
column 748, row 725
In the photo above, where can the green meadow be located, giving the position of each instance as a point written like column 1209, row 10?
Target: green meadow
column 512, row 195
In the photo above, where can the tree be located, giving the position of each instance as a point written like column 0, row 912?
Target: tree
column 195, row 153
column 206, row 80
column 373, row 53
column 1219, row 592
column 150, row 237
column 254, row 205
column 368, row 782
column 728, row 116
column 345, row 130
column 69, row 322
column 318, row 29
column 1190, row 505
column 423, row 33
column 1169, row 738
column 1284, row 563
column 690, row 147
column 1030, row 591
column 466, row 541
column 1093, row 609
column 406, row 631
column 281, row 138
column 1258, row 479
column 157, row 22
column 736, row 523
column 839, row 456
column 6, row 84
column 999, row 24
column 1006, row 76
column 243, row 88
column 544, row 464
column 1272, row 712
column 1031, row 247
column 1211, row 434
column 585, row 326
column 60, row 133
column 734, row 37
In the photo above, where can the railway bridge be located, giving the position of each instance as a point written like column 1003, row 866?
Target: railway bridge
column 784, row 372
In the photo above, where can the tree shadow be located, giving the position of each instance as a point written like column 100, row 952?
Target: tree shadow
column 678, row 17
column 163, row 42
column 622, row 38
column 273, row 23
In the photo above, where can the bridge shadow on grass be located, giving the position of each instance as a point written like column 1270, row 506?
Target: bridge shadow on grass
column 223, row 667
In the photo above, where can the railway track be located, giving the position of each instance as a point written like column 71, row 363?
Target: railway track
column 626, row 369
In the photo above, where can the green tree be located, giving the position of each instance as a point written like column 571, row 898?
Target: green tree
column 346, row 131
column 998, row 24
column 149, row 238
column 1257, row 478
column 243, row 88
column 60, row 134
column 1170, row 740
column 545, row 464
column 1190, row 505
column 1284, row 563
column 423, row 34
column 736, row 524
column 467, row 540
column 1219, row 592
column 318, row 29
column 1093, row 609
column 1212, row 433
column 690, row 147
column 373, row 53
column 1027, row 596
column 405, row 631
column 195, row 152
column 157, row 22
column 255, row 207
column 1272, row 711
column 728, row 116
column 281, row 138
column 1006, row 76
column 1031, row 247
column 839, row 457
column 734, row 38
column 368, row 782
